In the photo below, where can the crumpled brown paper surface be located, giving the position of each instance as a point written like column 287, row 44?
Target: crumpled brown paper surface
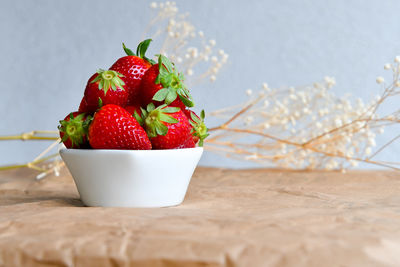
column 229, row 218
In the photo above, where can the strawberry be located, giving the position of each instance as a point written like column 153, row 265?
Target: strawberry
column 189, row 143
column 199, row 130
column 163, row 84
column 73, row 130
column 133, row 66
column 133, row 108
column 105, row 87
column 167, row 127
column 114, row 128
column 83, row 106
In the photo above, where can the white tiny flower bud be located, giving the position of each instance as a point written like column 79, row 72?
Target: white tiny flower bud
column 179, row 59
column 172, row 22
column 371, row 142
column 380, row 79
column 153, row 5
column 266, row 103
column 221, row 52
column 212, row 42
column 248, row 120
column 381, row 130
column 201, row 33
column 368, row 151
column 387, row 66
column 171, row 34
column 214, row 59
column 397, row 59
column 353, row 163
column 249, row 92
column 338, row 122
column 189, row 72
column 213, row 78
column 266, row 125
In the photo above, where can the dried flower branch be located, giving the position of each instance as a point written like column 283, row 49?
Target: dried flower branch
column 179, row 35
column 295, row 128
column 307, row 128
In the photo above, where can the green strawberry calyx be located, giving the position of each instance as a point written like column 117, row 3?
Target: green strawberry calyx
column 109, row 79
column 152, row 119
column 140, row 51
column 75, row 128
column 172, row 83
column 199, row 128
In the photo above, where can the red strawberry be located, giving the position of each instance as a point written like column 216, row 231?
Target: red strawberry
column 133, row 66
column 134, row 108
column 83, row 106
column 104, row 87
column 73, row 130
column 163, row 84
column 167, row 127
column 114, row 128
column 189, row 143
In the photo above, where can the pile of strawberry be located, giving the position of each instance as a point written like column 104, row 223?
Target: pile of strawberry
column 136, row 104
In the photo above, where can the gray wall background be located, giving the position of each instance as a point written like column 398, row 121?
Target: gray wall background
column 50, row 48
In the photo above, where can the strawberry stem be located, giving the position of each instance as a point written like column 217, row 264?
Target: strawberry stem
column 109, row 79
column 75, row 128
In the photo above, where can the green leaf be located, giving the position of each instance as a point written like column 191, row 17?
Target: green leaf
column 106, row 86
column 171, row 96
column 151, row 61
column 161, row 94
column 170, row 109
column 161, row 129
column 186, row 101
column 167, row 118
column 96, row 78
column 195, row 118
column 150, row 107
column 127, row 50
column 164, row 61
column 161, row 106
column 100, row 103
column 138, row 118
column 144, row 112
column 142, row 48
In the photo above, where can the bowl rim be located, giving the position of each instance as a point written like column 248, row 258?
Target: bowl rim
column 77, row 150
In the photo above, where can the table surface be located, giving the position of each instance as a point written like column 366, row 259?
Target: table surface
column 229, row 218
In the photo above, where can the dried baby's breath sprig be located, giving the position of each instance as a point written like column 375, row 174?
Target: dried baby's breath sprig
column 180, row 38
column 307, row 128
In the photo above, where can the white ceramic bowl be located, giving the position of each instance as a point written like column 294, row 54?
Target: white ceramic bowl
column 132, row 178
